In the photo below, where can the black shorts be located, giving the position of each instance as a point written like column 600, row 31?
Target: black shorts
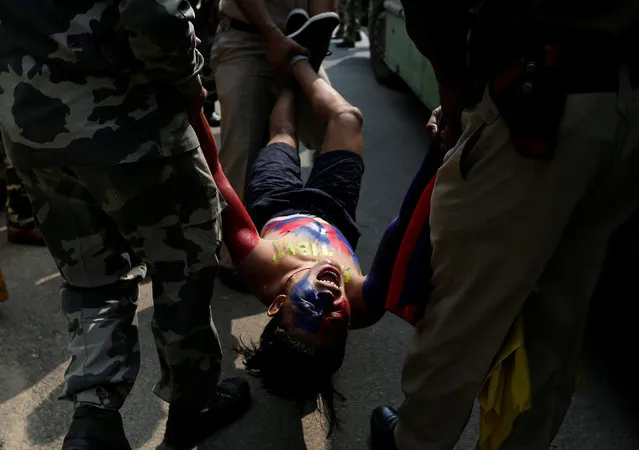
column 275, row 188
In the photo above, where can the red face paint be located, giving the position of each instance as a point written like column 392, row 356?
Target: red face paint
column 336, row 324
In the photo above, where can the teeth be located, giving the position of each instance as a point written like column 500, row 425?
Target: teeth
column 330, row 283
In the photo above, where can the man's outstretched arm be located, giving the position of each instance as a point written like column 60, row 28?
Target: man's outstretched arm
column 239, row 233
column 375, row 287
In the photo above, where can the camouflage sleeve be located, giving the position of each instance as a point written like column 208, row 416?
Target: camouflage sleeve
column 162, row 38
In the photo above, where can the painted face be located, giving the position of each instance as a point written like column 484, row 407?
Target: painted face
column 318, row 303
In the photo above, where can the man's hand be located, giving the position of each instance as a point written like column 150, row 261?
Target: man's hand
column 439, row 131
column 281, row 49
column 194, row 103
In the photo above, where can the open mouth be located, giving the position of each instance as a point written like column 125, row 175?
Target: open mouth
column 331, row 278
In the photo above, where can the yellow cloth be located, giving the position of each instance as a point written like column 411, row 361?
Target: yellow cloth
column 506, row 392
column 4, row 294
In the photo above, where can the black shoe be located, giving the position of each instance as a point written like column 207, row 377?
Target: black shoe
column 95, row 429
column 315, row 36
column 21, row 236
column 383, row 422
column 346, row 43
column 187, row 427
column 295, row 20
column 232, row 279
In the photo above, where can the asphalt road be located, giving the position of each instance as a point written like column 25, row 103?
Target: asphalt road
column 32, row 331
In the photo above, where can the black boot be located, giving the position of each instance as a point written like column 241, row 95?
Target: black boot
column 95, row 429
column 346, row 43
column 383, row 422
column 187, row 427
column 21, row 236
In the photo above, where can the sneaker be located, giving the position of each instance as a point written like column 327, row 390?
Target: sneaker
column 295, row 20
column 21, row 236
column 95, row 429
column 315, row 35
column 187, row 427
column 214, row 119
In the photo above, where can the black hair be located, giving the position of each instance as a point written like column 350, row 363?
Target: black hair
column 295, row 370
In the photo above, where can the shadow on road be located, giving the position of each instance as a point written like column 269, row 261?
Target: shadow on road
column 271, row 422
column 32, row 332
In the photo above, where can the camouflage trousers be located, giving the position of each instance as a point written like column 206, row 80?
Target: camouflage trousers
column 19, row 212
column 104, row 226
column 349, row 12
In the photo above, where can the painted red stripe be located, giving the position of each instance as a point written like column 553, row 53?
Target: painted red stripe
column 415, row 226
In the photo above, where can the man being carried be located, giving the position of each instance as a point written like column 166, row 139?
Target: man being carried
column 302, row 266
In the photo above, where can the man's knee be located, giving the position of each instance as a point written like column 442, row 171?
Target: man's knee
column 349, row 118
column 344, row 130
column 281, row 127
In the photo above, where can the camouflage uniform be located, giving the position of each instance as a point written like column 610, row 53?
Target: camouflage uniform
column 349, row 12
column 92, row 103
column 19, row 212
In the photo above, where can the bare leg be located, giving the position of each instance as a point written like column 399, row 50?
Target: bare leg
column 282, row 123
column 343, row 120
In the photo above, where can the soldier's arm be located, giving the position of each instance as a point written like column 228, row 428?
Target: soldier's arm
column 162, row 38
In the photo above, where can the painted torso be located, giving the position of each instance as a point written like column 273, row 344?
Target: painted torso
column 309, row 238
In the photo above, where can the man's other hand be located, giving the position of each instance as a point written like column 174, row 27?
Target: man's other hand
column 194, row 102
column 438, row 131
column 282, row 49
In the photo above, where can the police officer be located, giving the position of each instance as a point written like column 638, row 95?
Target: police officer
column 543, row 101
column 95, row 100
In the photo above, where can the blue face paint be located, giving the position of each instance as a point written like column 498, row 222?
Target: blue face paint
column 309, row 305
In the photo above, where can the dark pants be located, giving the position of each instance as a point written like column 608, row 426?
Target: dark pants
column 331, row 193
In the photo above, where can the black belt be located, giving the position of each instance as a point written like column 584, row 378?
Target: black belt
column 240, row 25
column 586, row 66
